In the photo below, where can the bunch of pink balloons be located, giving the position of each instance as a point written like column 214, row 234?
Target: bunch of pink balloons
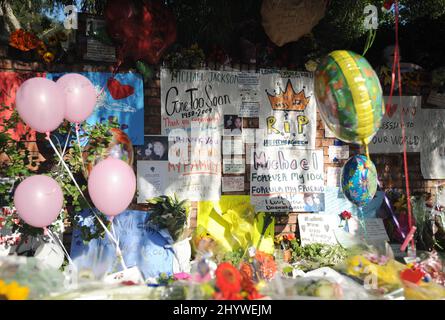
column 43, row 104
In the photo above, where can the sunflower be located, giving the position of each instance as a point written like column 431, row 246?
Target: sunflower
column 228, row 279
column 41, row 48
column 13, row 291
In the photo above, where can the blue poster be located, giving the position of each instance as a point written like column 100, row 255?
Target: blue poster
column 141, row 246
column 336, row 202
column 121, row 96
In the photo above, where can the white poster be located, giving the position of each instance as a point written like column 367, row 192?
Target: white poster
column 288, row 109
column 287, row 180
column 389, row 138
column 370, row 229
column 317, row 228
column 432, row 150
column 203, row 96
column 192, row 168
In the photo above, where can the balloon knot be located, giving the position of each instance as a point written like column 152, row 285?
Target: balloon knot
column 47, row 136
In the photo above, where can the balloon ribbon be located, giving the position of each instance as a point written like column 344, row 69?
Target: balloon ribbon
column 396, row 63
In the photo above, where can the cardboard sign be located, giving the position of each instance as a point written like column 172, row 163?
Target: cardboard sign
column 316, row 228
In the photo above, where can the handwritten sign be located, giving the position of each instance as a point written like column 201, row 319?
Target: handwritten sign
column 316, row 228
column 371, row 229
column 287, row 180
column 232, row 184
column 432, row 150
column 389, row 138
column 201, row 96
column 288, row 113
column 193, row 169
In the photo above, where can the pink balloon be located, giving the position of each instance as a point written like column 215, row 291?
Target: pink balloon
column 40, row 104
column 38, row 200
column 80, row 96
column 112, row 185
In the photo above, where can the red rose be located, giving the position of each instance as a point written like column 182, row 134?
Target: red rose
column 345, row 215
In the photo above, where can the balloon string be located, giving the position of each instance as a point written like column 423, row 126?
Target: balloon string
column 83, row 195
column 59, row 243
column 399, row 76
column 80, row 148
column 118, row 250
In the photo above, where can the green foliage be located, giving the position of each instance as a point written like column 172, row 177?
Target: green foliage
column 234, row 257
column 18, row 163
column 169, row 213
column 317, row 255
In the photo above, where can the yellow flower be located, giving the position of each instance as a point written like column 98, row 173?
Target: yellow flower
column 13, row 291
column 48, row 57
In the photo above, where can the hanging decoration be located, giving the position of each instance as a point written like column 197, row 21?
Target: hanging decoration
column 359, row 180
column 349, row 96
column 288, row 21
column 143, row 30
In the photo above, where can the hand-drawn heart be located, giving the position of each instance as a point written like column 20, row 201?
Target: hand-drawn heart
column 119, row 91
column 152, row 169
column 326, row 227
column 391, row 109
column 412, row 275
column 303, row 228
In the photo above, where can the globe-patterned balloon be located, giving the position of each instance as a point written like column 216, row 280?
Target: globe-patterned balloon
column 359, row 180
column 349, row 96
column 120, row 147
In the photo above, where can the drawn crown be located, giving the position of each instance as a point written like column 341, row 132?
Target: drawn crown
column 289, row 99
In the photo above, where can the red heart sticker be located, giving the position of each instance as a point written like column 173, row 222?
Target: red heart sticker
column 412, row 275
column 119, row 91
column 391, row 109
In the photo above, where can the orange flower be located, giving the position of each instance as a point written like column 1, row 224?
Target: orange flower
column 266, row 265
column 22, row 40
column 48, row 57
column 228, row 279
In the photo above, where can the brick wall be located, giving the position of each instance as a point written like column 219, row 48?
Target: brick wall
column 389, row 167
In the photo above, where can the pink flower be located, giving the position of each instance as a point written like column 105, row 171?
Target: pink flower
column 181, row 276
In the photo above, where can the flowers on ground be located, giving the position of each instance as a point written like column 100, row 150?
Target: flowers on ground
column 13, row 291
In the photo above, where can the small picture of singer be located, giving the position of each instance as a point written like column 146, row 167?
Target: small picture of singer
column 233, row 125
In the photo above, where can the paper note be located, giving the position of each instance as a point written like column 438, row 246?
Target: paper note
column 316, row 228
column 232, row 184
column 338, row 153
